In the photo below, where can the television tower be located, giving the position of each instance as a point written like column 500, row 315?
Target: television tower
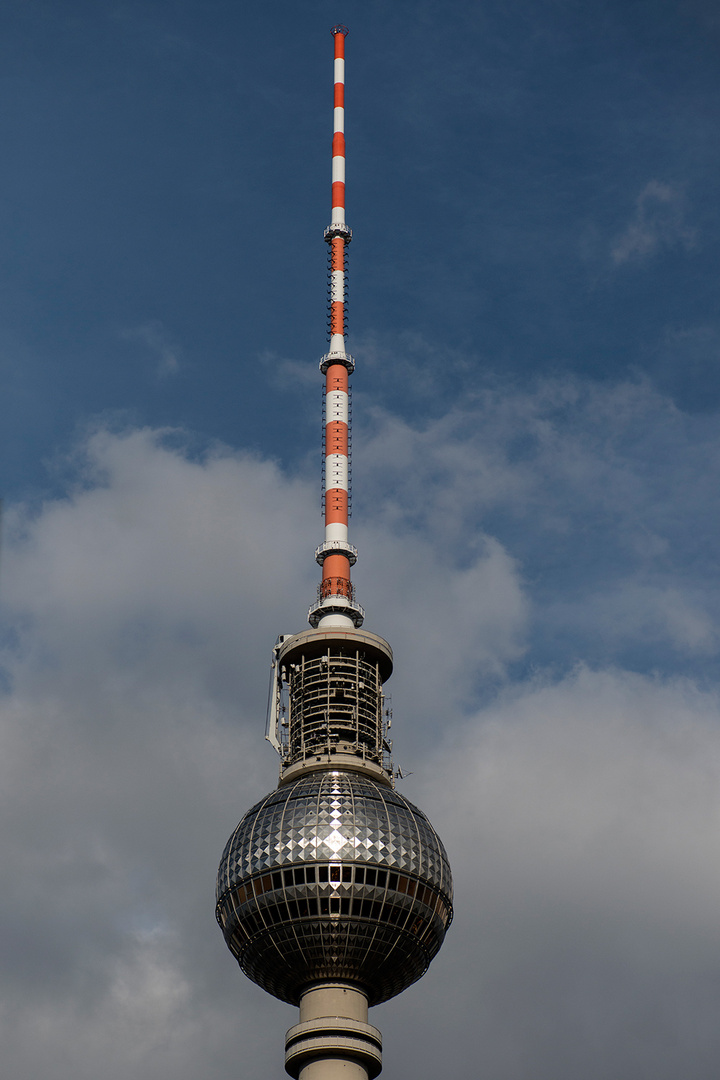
column 334, row 892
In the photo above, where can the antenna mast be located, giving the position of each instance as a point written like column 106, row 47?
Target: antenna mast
column 336, row 606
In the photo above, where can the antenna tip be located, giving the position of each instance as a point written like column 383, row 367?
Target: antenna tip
column 340, row 29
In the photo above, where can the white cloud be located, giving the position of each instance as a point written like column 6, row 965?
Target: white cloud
column 658, row 221
column 582, row 821
column 139, row 612
column 604, row 495
column 657, row 613
column 154, row 335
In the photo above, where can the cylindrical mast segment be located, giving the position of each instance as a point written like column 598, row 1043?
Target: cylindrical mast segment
column 338, row 145
column 336, row 600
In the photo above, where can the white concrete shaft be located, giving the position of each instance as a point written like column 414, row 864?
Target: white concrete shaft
column 333, row 1069
column 334, row 999
column 333, row 1040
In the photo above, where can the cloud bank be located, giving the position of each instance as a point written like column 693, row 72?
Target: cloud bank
column 542, row 563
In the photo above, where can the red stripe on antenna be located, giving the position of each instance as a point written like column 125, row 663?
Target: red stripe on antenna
column 336, row 507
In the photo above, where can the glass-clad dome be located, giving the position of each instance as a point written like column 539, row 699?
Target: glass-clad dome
column 334, row 877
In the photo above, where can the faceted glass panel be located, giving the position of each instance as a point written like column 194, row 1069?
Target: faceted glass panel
column 377, row 929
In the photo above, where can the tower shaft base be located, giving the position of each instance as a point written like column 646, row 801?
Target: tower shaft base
column 333, row 1069
column 333, row 1040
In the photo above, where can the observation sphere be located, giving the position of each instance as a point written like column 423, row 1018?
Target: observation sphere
column 334, row 877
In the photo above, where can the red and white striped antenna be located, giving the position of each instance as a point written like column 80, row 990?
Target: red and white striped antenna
column 336, row 606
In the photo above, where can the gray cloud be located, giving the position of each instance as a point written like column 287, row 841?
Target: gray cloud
column 658, row 221
column 579, row 806
column 154, row 335
column 582, row 818
column 603, row 493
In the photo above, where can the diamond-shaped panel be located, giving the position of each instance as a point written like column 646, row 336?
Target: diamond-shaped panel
column 326, row 818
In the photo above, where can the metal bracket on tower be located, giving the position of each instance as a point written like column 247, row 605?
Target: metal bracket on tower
column 330, row 547
column 338, row 228
column 276, row 709
column 336, row 605
column 343, row 358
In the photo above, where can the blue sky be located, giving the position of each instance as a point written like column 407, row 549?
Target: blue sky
column 534, row 314
column 534, row 184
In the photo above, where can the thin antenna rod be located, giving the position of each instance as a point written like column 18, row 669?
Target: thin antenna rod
column 336, row 596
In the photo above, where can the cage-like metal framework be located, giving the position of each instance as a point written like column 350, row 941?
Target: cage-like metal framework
column 335, row 698
column 328, row 699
